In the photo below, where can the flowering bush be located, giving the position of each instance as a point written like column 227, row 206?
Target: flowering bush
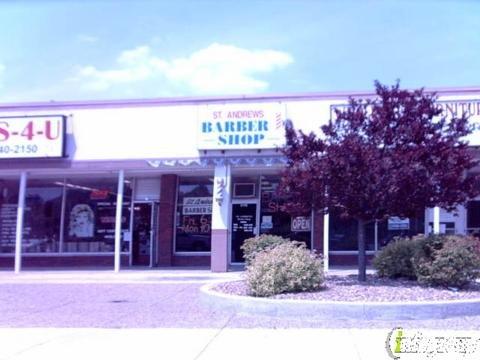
column 287, row 267
column 260, row 243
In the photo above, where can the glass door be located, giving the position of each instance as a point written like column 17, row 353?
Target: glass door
column 142, row 234
column 244, row 226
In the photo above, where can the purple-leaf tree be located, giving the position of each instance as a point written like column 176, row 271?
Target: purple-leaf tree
column 390, row 155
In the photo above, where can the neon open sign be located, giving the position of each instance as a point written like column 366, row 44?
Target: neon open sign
column 32, row 137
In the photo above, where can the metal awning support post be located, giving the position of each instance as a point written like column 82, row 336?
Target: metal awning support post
column 19, row 229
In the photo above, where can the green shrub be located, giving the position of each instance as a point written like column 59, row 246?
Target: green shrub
column 448, row 260
column 395, row 259
column 430, row 244
column 260, row 243
column 287, row 267
column 437, row 260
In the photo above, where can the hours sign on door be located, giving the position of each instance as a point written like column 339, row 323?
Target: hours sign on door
column 32, row 137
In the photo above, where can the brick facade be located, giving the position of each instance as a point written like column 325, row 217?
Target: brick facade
column 69, row 261
column 347, row 260
column 197, row 260
column 166, row 220
column 318, row 232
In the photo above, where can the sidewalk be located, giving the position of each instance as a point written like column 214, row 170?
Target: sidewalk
column 190, row 344
column 211, row 344
column 99, row 276
column 142, row 275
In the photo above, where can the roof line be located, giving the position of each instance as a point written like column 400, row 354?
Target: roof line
column 87, row 104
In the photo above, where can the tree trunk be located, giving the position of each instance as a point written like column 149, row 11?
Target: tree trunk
column 362, row 265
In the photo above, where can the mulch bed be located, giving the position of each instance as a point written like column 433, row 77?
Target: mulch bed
column 348, row 288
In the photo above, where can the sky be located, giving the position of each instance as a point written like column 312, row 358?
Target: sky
column 93, row 50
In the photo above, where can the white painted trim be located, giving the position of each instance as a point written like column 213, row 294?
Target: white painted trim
column 350, row 252
column 245, row 201
column 193, row 253
column 118, row 221
column 326, row 241
column 436, row 220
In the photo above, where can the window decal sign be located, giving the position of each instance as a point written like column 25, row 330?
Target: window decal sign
column 32, row 137
column 197, row 205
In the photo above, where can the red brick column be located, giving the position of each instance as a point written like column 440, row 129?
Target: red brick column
column 166, row 219
column 318, row 232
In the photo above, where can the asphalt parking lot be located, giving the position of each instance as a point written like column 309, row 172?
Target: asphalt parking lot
column 152, row 299
column 51, row 313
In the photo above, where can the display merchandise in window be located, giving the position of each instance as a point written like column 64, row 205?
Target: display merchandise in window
column 90, row 213
column 8, row 215
column 43, row 208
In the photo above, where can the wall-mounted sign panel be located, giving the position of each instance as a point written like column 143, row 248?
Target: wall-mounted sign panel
column 471, row 108
column 451, row 108
column 32, row 137
column 396, row 223
column 242, row 126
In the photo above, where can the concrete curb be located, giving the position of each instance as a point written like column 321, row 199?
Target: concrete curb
column 110, row 277
column 312, row 309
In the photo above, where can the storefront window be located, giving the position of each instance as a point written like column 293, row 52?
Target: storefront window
column 343, row 234
column 90, row 209
column 275, row 220
column 8, row 215
column 473, row 216
column 393, row 227
column 43, row 207
column 194, row 215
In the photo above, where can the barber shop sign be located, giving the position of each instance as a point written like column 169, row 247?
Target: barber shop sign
column 246, row 126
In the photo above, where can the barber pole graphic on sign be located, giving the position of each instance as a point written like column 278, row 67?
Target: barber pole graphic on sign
column 242, row 126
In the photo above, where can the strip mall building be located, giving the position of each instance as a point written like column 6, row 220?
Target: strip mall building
column 174, row 182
